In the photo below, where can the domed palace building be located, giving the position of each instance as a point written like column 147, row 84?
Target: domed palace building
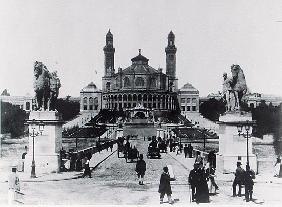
column 90, row 98
column 140, row 84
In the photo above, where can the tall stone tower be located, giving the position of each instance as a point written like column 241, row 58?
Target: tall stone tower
column 109, row 52
column 170, row 51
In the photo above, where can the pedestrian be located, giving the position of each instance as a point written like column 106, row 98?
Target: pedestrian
column 199, row 159
column 14, row 185
column 239, row 179
column 181, row 147
column 211, row 175
column 212, row 158
column 177, row 149
column 140, row 169
column 87, row 170
column 164, row 187
column 202, row 190
column 277, row 167
column 192, row 180
column 190, row 150
column 111, row 146
column 249, row 183
column 23, row 157
column 185, row 150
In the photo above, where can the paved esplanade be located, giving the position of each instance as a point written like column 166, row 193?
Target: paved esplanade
column 115, row 182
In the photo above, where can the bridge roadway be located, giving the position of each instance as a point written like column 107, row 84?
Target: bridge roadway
column 114, row 182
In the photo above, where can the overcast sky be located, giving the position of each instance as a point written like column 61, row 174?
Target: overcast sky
column 68, row 36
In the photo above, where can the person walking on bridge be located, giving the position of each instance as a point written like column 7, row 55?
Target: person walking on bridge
column 193, row 179
column 87, row 170
column 140, row 169
column 190, row 150
column 164, row 187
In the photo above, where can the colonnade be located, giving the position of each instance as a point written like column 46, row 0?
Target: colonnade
column 155, row 101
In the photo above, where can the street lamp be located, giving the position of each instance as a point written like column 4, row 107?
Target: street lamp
column 204, row 136
column 34, row 134
column 247, row 126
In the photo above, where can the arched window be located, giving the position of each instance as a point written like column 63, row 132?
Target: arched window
column 139, row 81
column 139, row 97
column 96, row 103
column 108, row 86
column 85, row 103
column 134, row 97
column 153, row 82
column 91, row 103
column 126, row 82
column 124, row 97
column 27, row 106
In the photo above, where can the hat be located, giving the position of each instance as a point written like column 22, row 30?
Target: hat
column 239, row 163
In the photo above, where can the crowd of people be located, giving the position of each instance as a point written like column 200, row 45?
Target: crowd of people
column 76, row 161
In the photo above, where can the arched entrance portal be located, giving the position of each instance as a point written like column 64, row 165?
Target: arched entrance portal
column 140, row 115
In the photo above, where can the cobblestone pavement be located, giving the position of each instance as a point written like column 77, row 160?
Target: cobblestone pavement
column 115, row 182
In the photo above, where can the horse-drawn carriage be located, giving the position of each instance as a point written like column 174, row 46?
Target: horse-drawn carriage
column 153, row 152
column 131, row 154
column 162, row 147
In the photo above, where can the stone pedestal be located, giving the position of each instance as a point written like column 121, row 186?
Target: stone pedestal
column 47, row 144
column 233, row 147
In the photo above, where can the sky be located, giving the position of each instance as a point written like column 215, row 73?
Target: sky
column 69, row 36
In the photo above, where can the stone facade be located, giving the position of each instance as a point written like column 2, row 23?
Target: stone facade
column 26, row 103
column 90, row 98
column 188, row 97
column 140, row 83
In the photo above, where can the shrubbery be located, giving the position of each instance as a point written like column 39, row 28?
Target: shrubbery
column 12, row 119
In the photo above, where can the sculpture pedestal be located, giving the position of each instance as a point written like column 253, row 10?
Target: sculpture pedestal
column 232, row 147
column 46, row 145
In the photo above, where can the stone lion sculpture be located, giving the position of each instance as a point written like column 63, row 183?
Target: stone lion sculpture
column 46, row 87
column 234, row 88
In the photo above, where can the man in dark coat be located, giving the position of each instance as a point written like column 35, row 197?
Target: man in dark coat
column 193, row 179
column 239, row 179
column 190, row 150
column 140, row 169
column 87, row 170
column 185, row 150
column 249, row 183
column 164, row 187
column 202, row 189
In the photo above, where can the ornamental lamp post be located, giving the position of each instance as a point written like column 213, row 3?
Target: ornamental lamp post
column 247, row 127
column 33, row 135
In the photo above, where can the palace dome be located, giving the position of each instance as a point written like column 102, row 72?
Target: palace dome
column 91, row 87
column 139, row 66
column 189, row 87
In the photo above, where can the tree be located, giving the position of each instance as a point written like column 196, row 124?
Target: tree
column 12, row 119
column 69, row 109
column 212, row 109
